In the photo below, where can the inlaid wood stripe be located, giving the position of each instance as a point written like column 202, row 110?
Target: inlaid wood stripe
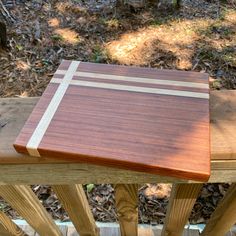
column 43, row 124
column 146, row 72
column 135, row 89
column 137, row 79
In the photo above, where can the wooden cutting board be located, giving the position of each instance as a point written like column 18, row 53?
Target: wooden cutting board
column 143, row 119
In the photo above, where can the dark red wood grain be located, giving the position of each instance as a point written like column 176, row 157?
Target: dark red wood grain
column 161, row 134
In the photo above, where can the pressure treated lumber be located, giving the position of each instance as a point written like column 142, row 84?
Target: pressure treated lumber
column 4, row 232
column 74, row 173
column 126, row 198
column 181, row 202
column 76, row 205
column 224, row 217
column 10, row 226
column 223, row 124
column 24, row 201
column 135, row 118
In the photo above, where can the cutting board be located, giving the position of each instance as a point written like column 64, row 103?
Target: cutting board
column 142, row 119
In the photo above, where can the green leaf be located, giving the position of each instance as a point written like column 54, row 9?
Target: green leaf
column 90, row 187
column 19, row 47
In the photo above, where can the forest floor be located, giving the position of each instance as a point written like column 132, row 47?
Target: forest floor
column 200, row 36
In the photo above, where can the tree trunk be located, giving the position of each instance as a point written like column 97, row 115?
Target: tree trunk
column 5, row 18
column 3, row 35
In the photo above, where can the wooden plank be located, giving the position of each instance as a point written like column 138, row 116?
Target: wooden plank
column 25, row 202
column 182, row 199
column 126, row 198
column 76, row 204
column 134, row 118
column 75, row 173
column 10, row 226
column 224, row 217
column 79, row 173
column 223, row 128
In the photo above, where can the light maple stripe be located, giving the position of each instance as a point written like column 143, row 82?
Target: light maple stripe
column 135, row 89
column 138, row 79
column 43, row 124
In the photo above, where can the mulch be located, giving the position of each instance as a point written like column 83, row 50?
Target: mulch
column 201, row 36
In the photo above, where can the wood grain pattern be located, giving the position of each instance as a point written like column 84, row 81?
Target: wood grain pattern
column 144, row 119
column 126, row 198
column 76, row 204
column 26, row 170
column 224, row 217
column 81, row 173
column 4, row 232
column 181, row 202
column 41, row 128
column 24, row 201
column 15, row 111
column 223, row 128
column 10, row 226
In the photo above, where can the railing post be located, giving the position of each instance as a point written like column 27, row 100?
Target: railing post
column 224, row 217
column 182, row 199
column 126, row 197
column 25, row 202
column 76, row 204
column 10, row 226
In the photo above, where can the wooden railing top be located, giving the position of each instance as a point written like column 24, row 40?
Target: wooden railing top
column 15, row 111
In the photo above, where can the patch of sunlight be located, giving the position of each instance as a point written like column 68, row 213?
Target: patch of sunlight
column 112, row 23
column 68, row 35
column 231, row 16
column 21, row 65
column 24, row 95
column 159, row 191
column 69, row 6
column 141, row 47
column 63, row 6
column 53, row 22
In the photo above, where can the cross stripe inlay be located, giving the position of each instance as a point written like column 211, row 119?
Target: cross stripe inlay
column 135, row 89
column 137, row 79
column 43, row 124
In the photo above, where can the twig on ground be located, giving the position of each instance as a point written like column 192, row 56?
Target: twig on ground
column 5, row 13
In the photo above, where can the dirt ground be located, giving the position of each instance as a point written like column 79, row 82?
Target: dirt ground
column 200, row 36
